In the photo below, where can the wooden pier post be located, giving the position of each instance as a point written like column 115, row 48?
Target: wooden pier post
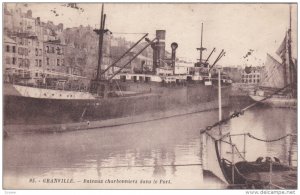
column 232, row 163
column 270, row 175
column 244, row 146
column 220, row 107
column 203, row 150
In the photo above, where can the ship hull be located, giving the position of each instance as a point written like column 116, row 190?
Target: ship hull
column 45, row 114
column 279, row 102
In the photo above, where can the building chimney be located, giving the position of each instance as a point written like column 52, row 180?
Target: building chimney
column 29, row 14
column 38, row 21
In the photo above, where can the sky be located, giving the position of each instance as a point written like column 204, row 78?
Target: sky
column 236, row 28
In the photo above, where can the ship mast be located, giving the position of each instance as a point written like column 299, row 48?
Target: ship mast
column 201, row 49
column 100, row 43
column 290, row 59
column 205, row 63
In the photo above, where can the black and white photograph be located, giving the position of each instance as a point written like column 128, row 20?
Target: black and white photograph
column 102, row 95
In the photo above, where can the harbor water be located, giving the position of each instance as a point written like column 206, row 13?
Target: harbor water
column 162, row 154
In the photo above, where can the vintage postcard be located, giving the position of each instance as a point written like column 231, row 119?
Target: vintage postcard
column 149, row 96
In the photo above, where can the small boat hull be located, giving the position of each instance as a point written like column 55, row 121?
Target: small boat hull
column 256, row 174
column 280, row 102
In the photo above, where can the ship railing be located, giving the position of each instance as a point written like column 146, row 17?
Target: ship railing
column 53, row 87
column 235, row 153
column 290, row 137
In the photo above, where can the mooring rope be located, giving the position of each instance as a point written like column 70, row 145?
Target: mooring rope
column 271, row 140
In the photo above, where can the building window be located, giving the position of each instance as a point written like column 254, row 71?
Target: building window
column 40, row 63
column 7, row 59
column 36, row 74
column 24, row 62
column 40, row 52
column 7, row 48
column 47, row 61
column 14, row 61
column 47, row 49
column 58, row 62
column 20, row 61
column 20, row 51
column 36, row 52
column 14, row 49
column 58, row 50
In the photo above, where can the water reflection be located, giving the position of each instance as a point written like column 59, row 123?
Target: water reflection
column 267, row 124
column 159, row 170
column 140, row 151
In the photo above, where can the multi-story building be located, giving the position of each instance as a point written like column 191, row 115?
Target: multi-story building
column 23, row 62
column 33, row 46
column 252, row 75
column 36, row 58
column 17, row 21
column 10, row 58
column 53, row 56
column 51, row 31
column 17, row 58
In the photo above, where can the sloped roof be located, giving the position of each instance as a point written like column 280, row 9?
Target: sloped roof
column 8, row 40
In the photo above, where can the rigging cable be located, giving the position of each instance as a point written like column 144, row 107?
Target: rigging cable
column 128, row 33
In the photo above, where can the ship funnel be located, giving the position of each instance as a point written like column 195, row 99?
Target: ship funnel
column 159, row 49
column 174, row 47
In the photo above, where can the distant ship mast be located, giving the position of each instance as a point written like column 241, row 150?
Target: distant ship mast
column 290, row 59
column 285, row 52
column 201, row 49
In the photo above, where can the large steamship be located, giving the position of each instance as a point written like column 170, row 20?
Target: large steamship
column 117, row 98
